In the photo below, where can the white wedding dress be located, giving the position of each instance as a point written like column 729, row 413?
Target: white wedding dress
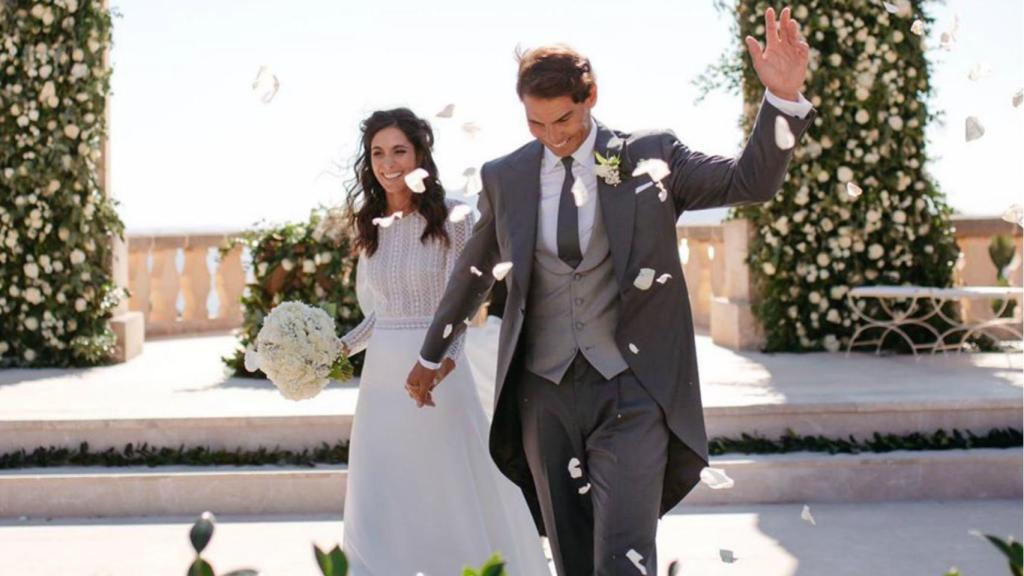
column 423, row 495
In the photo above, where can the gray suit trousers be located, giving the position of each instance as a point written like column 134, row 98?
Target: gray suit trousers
column 619, row 435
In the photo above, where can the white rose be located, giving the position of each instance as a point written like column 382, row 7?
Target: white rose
column 837, row 292
column 71, row 131
column 830, row 343
column 895, row 122
column 845, row 174
column 845, row 242
column 899, row 217
column 79, row 71
column 862, row 116
column 814, row 297
column 31, row 270
column 874, row 215
column 875, row 251
column 4, row 347
column 262, row 269
column 823, row 176
column 30, row 355
column 823, row 260
column 33, row 296
column 325, row 257
column 308, row 266
column 77, row 256
column 287, row 265
column 31, row 324
column 768, row 268
column 80, row 305
column 78, row 55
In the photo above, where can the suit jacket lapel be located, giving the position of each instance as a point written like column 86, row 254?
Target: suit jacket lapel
column 525, row 204
column 618, row 203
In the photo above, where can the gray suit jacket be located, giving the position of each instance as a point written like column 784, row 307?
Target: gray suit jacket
column 642, row 232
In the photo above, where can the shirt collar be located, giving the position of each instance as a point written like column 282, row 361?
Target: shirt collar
column 583, row 155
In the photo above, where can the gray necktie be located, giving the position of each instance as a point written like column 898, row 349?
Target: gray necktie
column 568, row 220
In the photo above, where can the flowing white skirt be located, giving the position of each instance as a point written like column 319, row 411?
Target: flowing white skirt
column 423, row 495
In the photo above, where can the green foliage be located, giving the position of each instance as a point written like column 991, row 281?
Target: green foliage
column 57, row 225
column 144, row 455
column 1001, row 251
column 309, row 262
column 869, row 81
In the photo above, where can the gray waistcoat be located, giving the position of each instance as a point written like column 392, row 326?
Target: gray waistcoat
column 573, row 310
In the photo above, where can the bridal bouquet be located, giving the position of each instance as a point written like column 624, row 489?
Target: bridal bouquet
column 298, row 349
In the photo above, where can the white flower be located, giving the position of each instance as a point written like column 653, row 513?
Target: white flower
column 899, row 217
column 784, row 137
column 252, row 359
column 31, row 323
column 53, row 186
column 80, row 305
column 297, row 347
column 895, row 122
column 79, row 71
column 875, row 251
column 917, row 27
column 77, row 256
column 261, row 269
column 837, row 292
column 459, row 212
column 769, row 268
column 501, row 270
column 862, row 116
column 644, row 279
column 833, row 316
column 845, row 174
column 30, row 355
column 4, row 347
column 287, row 265
column 31, row 270
column 814, row 297
column 873, row 216
column 831, row 343
column 71, row 131
column 823, row 259
column 32, row 295
column 308, row 267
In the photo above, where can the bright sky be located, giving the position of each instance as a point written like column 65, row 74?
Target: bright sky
column 193, row 147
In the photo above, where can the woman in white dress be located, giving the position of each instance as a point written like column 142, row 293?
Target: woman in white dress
column 423, row 494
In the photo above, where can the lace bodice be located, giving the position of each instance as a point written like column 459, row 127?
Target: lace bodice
column 402, row 283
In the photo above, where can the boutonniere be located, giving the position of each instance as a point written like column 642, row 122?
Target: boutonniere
column 608, row 168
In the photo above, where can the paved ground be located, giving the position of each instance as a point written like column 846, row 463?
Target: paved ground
column 904, row 539
column 184, row 377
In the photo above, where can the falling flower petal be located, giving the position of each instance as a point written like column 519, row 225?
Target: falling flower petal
column 891, row 8
column 500, row 270
column 459, row 213
column 644, row 278
column 633, row 348
column 585, row 489
column 1018, row 98
column 727, row 555
column 386, row 221
column 636, row 558
column 948, row 38
column 447, row 331
column 467, row 322
column 252, row 359
column 447, row 111
column 471, row 128
column 662, row 193
column 973, row 129
column 473, row 182
column 805, row 515
column 476, row 271
column 414, row 180
column 853, row 191
column 663, row 278
column 978, row 72
column 266, row 84
column 579, row 192
column 656, row 168
column 917, row 27
column 1014, row 214
column 784, row 138
column 574, row 468
column 716, row 478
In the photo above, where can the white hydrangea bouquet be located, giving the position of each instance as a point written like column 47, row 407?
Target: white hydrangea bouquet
column 298, row 349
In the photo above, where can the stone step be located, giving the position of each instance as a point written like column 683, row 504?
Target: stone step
column 762, row 479
column 301, row 431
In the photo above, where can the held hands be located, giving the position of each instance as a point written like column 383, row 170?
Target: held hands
column 422, row 381
column 782, row 66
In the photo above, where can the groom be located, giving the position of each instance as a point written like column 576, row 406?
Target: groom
column 598, row 415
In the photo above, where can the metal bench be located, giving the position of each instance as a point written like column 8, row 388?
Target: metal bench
column 913, row 314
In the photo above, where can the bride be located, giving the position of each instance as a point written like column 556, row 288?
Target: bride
column 423, row 494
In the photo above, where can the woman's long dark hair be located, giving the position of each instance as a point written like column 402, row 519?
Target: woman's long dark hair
column 366, row 196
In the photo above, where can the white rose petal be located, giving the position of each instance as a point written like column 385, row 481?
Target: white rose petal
column 386, row 221
column 31, row 270
column 501, row 270
column 474, row 184
column 633, row 348
column 917, row 27
column 476, row 271
column 266, row 84
column 656, row 168
column 784, row 137
column 853, row 191
column 308, row 266
column 973, row 129
column 447, row 331
column 574, row 468
column 716, row 478
column 636, row 558
column 805, row 515
column 287, row 265
column 471, row 128
column 726, row 555
column 252, row 359
column 447, row 111
column 979, row 71
column 644, row 279
column 585, row 489
column 663, row 278
column 891, row 8
column 1018, row 98
column 414, row 180
column 459, row 212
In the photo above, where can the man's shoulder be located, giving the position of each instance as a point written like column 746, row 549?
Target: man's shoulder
column 512, row 159
column 648, row 140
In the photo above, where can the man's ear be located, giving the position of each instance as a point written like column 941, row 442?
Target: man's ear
column 591, row 100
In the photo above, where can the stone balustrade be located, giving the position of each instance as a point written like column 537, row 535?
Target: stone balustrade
column 172, row 283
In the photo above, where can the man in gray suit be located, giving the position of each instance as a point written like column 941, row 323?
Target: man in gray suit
column 598, row 415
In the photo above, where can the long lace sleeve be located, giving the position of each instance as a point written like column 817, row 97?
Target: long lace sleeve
column 459, row 233
column 357, row 338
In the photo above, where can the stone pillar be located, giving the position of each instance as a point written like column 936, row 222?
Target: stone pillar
column 128, row 326
column 733, row 324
